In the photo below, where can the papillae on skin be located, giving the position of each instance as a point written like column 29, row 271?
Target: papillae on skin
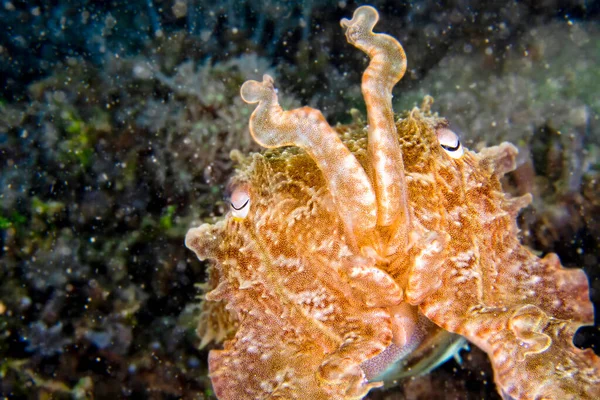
column 362, row 243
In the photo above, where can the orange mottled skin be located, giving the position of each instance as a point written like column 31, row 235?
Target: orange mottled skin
column 356, row 240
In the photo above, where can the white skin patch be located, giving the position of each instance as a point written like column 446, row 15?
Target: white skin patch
column 450, row 142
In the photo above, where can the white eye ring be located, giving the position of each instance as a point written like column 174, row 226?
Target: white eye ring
column 450, row 142
column 239, row 203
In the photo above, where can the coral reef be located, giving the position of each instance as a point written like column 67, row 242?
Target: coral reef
column 99, row 162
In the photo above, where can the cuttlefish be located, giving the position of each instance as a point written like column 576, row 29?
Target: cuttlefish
column 347, row 249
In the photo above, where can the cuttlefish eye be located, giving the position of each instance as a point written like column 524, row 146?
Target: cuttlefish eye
column 239, row 203
column 450, row 142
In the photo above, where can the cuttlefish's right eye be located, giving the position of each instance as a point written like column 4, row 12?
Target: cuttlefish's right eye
column 239, row 203
column 449, row 142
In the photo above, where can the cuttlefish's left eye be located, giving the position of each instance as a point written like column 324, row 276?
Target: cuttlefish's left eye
column 239, row 203
column 450, row 142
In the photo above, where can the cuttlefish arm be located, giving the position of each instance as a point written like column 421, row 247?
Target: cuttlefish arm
column 387, row 67
column 365, row 326
column 306, row 128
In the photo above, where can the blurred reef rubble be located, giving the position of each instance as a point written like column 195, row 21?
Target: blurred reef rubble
column 103, row 171
column 117, row 124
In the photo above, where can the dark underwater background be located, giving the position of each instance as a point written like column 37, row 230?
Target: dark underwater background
column 116, row 123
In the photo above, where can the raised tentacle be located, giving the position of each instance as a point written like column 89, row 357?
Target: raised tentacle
column 387, row 66
column 305, row 127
